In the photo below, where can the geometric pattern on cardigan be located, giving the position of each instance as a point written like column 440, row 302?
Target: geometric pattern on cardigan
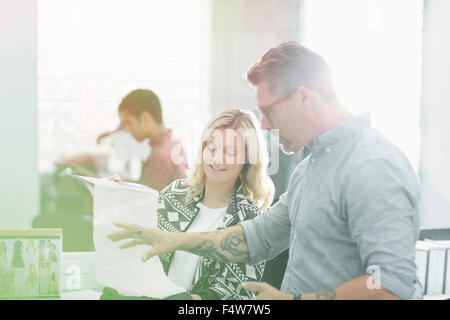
column 212, row 280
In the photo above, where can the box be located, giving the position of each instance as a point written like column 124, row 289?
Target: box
column 30, row 263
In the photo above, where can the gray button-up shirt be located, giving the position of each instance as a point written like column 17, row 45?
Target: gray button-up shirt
column 351, row 209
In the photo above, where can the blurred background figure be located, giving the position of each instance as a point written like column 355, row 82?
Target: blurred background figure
column 104, row 135
column 128, row 153
column 142, row 150
column 141, row 115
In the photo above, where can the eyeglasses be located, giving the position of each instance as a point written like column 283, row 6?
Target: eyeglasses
column 265, row 110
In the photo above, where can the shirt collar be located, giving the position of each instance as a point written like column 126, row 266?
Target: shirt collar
column 342, row 131
column 161, row 138
column 231, row 209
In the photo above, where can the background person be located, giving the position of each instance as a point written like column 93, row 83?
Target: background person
column 141, row 115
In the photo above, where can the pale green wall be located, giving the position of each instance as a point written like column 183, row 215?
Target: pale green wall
column 241, row 31
column 19, row 188
column 435, row 169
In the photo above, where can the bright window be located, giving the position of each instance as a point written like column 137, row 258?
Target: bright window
column 92, row 53
column 374, row 51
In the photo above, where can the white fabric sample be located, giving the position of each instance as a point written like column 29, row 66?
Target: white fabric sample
column 123, row 269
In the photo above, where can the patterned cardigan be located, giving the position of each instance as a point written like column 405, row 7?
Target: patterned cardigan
column 213, row 280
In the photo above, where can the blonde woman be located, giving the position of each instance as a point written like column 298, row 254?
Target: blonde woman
column 227, row 185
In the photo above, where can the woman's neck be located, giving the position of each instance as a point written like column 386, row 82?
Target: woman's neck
column 217, row 195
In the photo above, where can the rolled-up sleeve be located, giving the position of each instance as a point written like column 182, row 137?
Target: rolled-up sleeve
column 381, row 202
column 268, row 234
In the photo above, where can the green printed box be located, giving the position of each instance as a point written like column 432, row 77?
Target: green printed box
column 30, row 263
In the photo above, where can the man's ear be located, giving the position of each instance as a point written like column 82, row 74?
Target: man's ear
column 304, row 96
column 146, row 117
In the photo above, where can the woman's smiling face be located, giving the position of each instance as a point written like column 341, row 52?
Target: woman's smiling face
column 223, row 156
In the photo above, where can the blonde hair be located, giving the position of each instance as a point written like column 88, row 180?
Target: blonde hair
column 256, row 184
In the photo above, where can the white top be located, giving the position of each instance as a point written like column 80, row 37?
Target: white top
column 184, row 264
column 126, row 147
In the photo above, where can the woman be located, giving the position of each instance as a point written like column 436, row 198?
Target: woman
column 228, row 185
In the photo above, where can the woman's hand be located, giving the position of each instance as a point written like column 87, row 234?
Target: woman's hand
column 161, row 241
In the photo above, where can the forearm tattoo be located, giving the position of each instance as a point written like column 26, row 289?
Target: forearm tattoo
column 234, row 243
column 207, row 249
column 326, row 295
column 232, row 248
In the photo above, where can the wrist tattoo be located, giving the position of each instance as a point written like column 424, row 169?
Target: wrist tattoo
column 326, row 295
column 298, row 296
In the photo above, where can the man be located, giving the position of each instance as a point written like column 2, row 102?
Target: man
column 141, row 115
column 350, row 215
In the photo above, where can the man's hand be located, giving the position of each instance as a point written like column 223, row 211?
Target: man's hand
column 266, row 291
column 128, row 231
column 114, row 177
column 161, row 241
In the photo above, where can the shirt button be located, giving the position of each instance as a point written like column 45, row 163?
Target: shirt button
column 327, row 149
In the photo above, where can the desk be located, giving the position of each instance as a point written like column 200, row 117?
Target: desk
column 437, row 297
column 83, row 264
column 86, row 294
column 78, row 281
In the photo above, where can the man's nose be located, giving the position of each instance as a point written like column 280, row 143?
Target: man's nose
column 265, row 124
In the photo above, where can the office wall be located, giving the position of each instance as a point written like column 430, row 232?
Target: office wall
column 19, row 188
column 435, row 168
column 240, row 32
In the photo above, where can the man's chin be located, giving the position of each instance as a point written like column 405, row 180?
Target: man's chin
column 286, row 150
column 285, row 147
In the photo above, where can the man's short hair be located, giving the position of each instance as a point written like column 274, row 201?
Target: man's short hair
column 141, row 100
column 290, row 65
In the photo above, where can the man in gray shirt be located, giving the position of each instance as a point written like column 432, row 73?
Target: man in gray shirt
column 350, row 215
